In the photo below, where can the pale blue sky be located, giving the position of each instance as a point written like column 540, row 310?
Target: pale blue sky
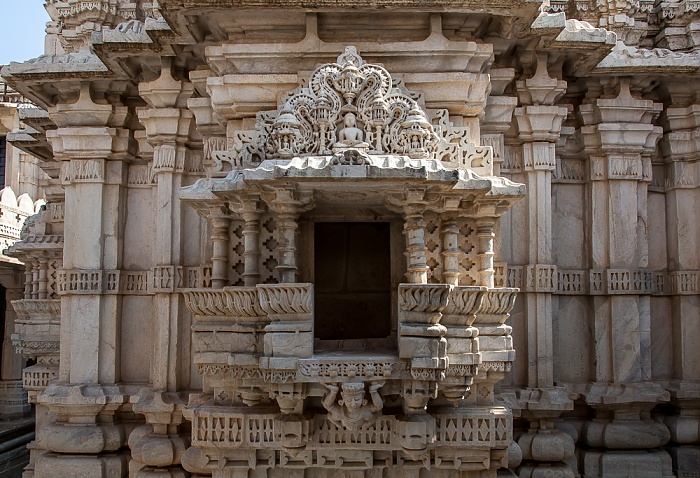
column 22, row 25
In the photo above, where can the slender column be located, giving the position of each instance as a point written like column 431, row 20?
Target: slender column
column 35, row 279
column 287, row 204
column 28, row 275
column 450, row 250
column 414, row 229
column 250, row 212
column 288, row 227
column 538, row 122
column 43, row 279
column 168, row 123
column 485, row 253
column 220, row 239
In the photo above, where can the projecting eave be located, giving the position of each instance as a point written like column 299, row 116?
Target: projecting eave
column 377, row 175
column 625, row 59
column 73, row 65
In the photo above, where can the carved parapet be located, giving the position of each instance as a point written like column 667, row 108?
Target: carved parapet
column 37, row 327
column 462, row 441
column 283, row 301
column 239, row 304
column 421, row 337
column 462, row 344
column 495, row 341
column 290, row 308
column 227, row 334
column 422, row 303
column 464, row 301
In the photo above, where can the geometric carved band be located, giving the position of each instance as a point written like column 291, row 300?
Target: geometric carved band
column 176, row 278
column 223, row 427
column 545, row 278
column 96, row 281
column 159, row 279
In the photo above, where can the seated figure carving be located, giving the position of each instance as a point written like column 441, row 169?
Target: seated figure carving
column 350, row 136
column 353, row 412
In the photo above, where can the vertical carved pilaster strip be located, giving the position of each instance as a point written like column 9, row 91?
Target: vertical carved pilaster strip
column 485, row 234
column 220, row 239
column 450, row 251
column 414, row 228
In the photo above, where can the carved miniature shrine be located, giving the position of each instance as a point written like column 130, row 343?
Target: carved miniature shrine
column 354, row 147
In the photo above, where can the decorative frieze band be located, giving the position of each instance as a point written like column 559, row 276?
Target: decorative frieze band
column 176, row 278
column 621, row 166
column 229, row 428
column 543, row 278
column 82, row 171
column 71, row 282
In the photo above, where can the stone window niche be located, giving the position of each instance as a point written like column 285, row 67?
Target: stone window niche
column 354, row 285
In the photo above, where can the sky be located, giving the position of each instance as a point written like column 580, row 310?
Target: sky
column 22, row 25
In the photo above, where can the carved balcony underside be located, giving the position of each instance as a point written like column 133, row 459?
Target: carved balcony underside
column 255, row 344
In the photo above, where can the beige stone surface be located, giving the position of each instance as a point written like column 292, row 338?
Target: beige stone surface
column 533, row 168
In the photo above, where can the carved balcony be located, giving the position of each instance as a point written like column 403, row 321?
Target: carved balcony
column 37, row 330
column 255, row 346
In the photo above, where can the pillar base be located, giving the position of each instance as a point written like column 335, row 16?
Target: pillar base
column 51, row 465
column 623, row 464
column 686, row 460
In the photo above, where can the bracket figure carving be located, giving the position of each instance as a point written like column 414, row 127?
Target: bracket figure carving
column 352, row 411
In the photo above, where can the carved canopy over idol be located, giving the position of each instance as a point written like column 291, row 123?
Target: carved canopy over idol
column 351, row 104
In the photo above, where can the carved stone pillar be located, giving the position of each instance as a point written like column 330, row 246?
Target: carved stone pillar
column 412, row 204
column 287, row 204
column 680, row 147
column 450, row 250
column 250, row 212
column 220, row 223
column 167, row 123
column 94, row 145
column 619, row 137
column 414, row 229
column 485, row 253
column 539, row 123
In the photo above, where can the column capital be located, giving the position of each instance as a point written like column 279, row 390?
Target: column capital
column 540, row 88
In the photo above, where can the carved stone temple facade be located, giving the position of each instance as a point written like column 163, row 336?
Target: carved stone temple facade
column 363, row 238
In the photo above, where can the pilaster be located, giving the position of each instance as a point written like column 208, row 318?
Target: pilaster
column 680, row 148
column 619, row 137
column 157, row 446
column 94, row 144
column 538, row 124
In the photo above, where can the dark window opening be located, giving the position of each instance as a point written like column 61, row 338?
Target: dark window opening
column 352, row 289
